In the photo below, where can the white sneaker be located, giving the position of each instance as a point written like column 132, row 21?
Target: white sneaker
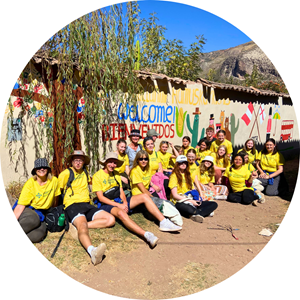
column 97, row 254
column 167, row 225
column 151, row 239
column 212, row 214
column 197, row 218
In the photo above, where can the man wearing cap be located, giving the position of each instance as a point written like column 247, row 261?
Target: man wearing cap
column 107, row 184
column 78, row 209
column 134, row 147
column 38, row 195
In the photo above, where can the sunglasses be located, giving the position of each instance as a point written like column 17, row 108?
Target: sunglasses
column 143, row 158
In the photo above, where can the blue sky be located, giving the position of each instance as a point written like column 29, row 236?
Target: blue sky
column 184, row 22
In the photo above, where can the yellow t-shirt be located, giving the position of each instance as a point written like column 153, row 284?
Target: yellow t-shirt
column 251, row 156
column 202, row 154
column 180, row 189
column 125, row 160
column 153, row 162
column 79, row 186
column 193, row 168
column 142, row 144
column 103, row 181
column 249, row 167
column 139, row 176
column 204, row 178
column 216, row 144
column 237, row 178
column 187, row 149
column 164, row 159
column 220, row 163
column 39, row 197
column 269, row 162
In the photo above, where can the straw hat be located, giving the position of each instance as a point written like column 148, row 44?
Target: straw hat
column 152, row 132
column 109, row 156
column 79, row 153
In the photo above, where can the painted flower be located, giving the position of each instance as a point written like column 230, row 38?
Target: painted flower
column 18, row 102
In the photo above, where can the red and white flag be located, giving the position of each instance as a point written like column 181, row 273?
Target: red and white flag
column 262, row 113
column 248, row 115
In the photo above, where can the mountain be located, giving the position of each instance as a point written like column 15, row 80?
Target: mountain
column 235, row 62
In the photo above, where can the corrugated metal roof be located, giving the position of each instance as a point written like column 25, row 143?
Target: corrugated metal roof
column 42, row 55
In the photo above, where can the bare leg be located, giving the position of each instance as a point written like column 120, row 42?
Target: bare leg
column 83, row 232
column 128, row 223
column 150, row 205
column 102, row 219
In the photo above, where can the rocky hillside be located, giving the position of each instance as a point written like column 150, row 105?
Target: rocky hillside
column 236, row 62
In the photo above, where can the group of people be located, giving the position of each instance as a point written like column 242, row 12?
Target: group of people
column 191, row 179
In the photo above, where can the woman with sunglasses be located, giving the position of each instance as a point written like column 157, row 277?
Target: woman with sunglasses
column 38, row 195
column 270, row 166
column 221, row 162
column 140, row 176
column 235, row 178
column 181, row 182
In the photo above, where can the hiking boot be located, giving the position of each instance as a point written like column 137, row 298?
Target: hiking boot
column 97, row 254
column 151, row 239
column 73, row 231
column 197, row 218
column 167, row 225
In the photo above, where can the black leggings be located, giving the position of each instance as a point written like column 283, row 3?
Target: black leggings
column 204, row 210
column 246, row 197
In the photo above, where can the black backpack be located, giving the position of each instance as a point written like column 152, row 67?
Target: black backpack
column 52, row 217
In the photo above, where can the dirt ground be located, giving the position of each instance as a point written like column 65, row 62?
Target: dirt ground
column 182, row 263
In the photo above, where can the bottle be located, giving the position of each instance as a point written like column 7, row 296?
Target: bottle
column 61, row 220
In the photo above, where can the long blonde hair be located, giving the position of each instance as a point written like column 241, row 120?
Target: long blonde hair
column 225, row 157
column 141, row 153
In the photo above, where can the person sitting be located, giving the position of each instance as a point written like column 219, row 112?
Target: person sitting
column 38, row 195
column 81, row 214
column 154, row 134
column 140, row 176
column 221, row 140
column 186, row 145
column 209, row 137
column 205, row 181
column 235, row 177
column 203, row 150
column 270, row 166
column 165, row 156
column 181, row 183
column 193, row 164
column 221, row 162
column 154, row 161
column 124, row 169
column 134, row 147
column 107, row 184
column 249, row 148
column 179, row 150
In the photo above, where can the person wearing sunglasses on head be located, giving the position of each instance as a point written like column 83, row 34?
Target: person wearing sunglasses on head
column 140, row 176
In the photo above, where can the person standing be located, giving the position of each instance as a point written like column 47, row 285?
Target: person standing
column 134, row 147
column 80, row 213
column 209, row 137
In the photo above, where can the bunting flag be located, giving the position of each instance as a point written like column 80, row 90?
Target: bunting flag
column 248, row 115
column 262, row 113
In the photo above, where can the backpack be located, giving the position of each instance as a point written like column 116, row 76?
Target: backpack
column 69, row 184
column 52, row 221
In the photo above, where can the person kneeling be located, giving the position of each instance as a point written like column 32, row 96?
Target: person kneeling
column 181, row 183
column 107, row 184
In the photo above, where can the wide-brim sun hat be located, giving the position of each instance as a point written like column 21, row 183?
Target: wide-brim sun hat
column 208, row 158
column 181, row 158
column 152, row 132
column 40, row 163
column 135, row 132
column 111, row 155
column 86, row 158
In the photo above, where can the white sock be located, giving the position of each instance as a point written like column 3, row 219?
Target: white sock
column 90, row 249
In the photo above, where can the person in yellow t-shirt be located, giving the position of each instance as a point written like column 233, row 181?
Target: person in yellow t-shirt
column 186, row 145
column 124, row 169
column 236, row 176
column 221, row 140
column 41, row 193
column 107, row 184
column 179, row 150
column 203, row 150
column 193, row 164
column 181, row 182
column 205, row 181
column 270, row 166
column 80, row 213
column 165, row 157
column 140, row 176
column 249, row 147
column 221, row 162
